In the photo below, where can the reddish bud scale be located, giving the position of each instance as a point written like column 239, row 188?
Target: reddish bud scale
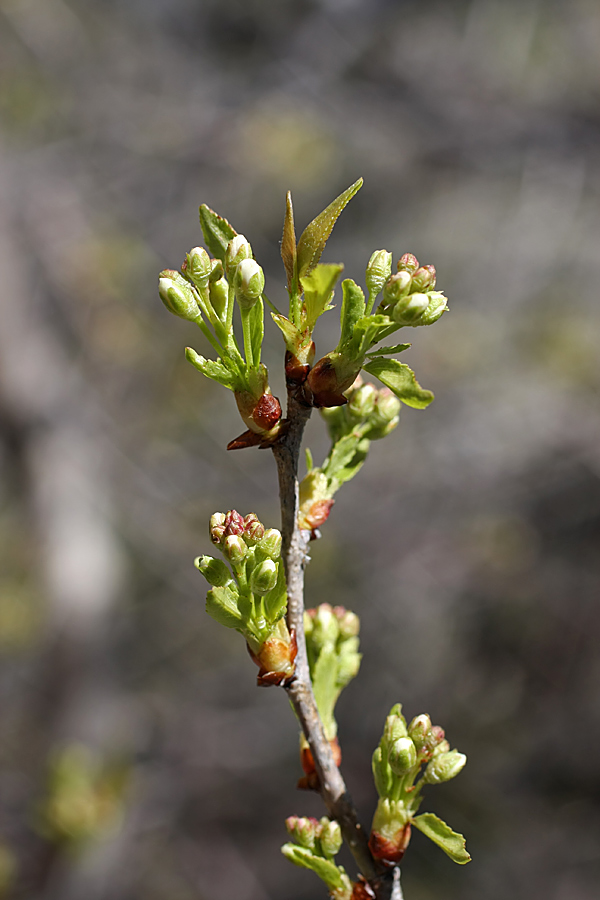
column 318, row 513
column 390, row 852
column 326, row 386
column 275, row 660
column 267, row 412
column 362, row 891
column 310, row 781
column 296, row 372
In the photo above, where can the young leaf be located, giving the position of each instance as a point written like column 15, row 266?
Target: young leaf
column 221, row 605
column 212, row 369
column 256, row 319
column 216, row 230
column 334, row 876
column 452, row 843
column 388, row 351
column 288, row 244
column 400, row 379
column 318, row 289
column 314, row 237
column 353, row 308
column 325, row 688
column 291, row 335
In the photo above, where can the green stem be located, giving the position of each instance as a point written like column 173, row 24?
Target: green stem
column 245, row 314
column 206, row 332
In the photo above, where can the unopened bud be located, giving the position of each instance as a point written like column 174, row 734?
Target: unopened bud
column 420, row 730
column 438, row 304
column 264, row 577
column 402, row 756
column 424, row 278
column 177, row 295
column 271, row 543
column 409, row 309
column 442, row 747
column 325, row 625
column 362, row 402
column 396, row 288
column 198, row 266
column 395, row 728
column 436, row 737
column 234, row 548
column 214, row 570
column 248, row 283
column 408, row 262
column 303, row 830
column 444, row 766
column 234, row 523
column 254, row 530
column 218, row 292
column 217, row 527
column 379, row 270
column 330, row 837
column 238, row 249
column 348, row 622
column 388, row 405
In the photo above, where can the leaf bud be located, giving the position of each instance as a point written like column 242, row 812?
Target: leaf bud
column 444, row 766
column 379, row 270
column 362, row 402
column 396, row 287
column 198, row 266
column 348, row 622
column 217, row 527
column 177, row 295
column 214, row 570
column 270, row 543
column 402, row 756
column 238, row 249
column 264, row 577
column 248, row 283
column 235, row 549
column 424, row 278
column 420, row 730
column 408, row 262
column 254, row 530
column 409, row 309
column 303, row 830
column 234, row 523
column 330, row 837
column 218, row 292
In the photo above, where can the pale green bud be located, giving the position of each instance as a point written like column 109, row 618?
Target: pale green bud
column 216, row 270
column 248, row 283
column 362, row 401
column 177, row 295
column 402, row 756
column 235, row 548
column 238, row 249
column 271, row 543
column 444, row 766
column 330, row 837
column 264, row 577
column 442, row 747
column 388, row 405
column 420, row 730
column 198, row 266
column 218, row 292
column 410, row 309
column 438, row 304
column 325, row 625
column 303, row 830
column 214, row 570
column 348, row 622
column 379, row 270
column 424, row 278
column 396, row 287
column 394, row 728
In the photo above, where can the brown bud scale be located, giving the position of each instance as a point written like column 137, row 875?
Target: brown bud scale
column 390, row 852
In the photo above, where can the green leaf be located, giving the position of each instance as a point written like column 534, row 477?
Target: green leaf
column 452, row 843
column 334, row 876
column 314, row 237
column 400, row 379
column 216, row 230
column 212, row 369
column 340, row 455
column 388, row 351
column 221, row 604
column 256, row 320
column 353, row 308
column 288, row 244
column 318, row 290
column 368, row 330
column 291, row 335
column 324, row 677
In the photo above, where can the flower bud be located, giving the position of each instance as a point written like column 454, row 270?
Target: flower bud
column 362, row 402
column 396, row 287
column 409, row 309
column 177, row 295
column 442, row 747
column 436, row 737
column 444, row 766
column 438, row 304
column 424, row 278
column 420, row 730
column 330, row 837
column 248, row 283
column 218, row 292
column 402, row 756
column 379, row 270
column 408, row 262
column 303, row 830
column 348, row 622
column 325, row 626
column 271, row 543
column 395, row 727
column 234, row 549
column 198, row 266
column 388, row 405
column 238, row 249
column 214, row 570
column 264, row 577
column 254, row 530
column 217, row 527
column 234, row 523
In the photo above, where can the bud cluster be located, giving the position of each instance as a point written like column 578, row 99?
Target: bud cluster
column 409, row 297
column 250, row 594
column 316, row 843
column 398, row 759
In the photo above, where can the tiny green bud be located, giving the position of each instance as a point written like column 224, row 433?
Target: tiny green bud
column 218, row 292
column 379, row 270
column 409, row 309
column 349, row 623
column 254, row 530
column 442, row 747
column 325, row 625
column 444, row 766
column 388, row 405
column 303, row 830
column 420, row 730
column 271, row 543
column 408, row 262
column 177, row 295
column 248, row 283
column 395, row 728
column 216, row 270
column 214, row 570
column 330, row 837
column 424, row 278
column 234, row 548
column 396, row 287
column 438, row 304
column 362, row 401
column 402, row 756
column 217, row 527
column 264, row 577
column 197, row 266
column 238, row 249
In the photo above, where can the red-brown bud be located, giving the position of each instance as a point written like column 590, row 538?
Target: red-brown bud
column 234, row 523
column 267, row 412
column 390, row 851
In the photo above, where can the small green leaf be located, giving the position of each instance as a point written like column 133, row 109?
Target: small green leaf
column 334, row 876
column 452, row 843
column 212, row 369
column 400, row 379
column 216, row 230
column 368, row 330
column 353, row 308
column 324, row 685
column 221, row 604
column 318, row 290
column 291, row 335
column 256, row 320
column 388, row 351
column 314, row 237
column 288, row 244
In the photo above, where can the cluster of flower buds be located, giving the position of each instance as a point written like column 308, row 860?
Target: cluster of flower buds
column 409, row 296
column 316, row 843
column 398, row 760
column 250, row 594
column 333, row 658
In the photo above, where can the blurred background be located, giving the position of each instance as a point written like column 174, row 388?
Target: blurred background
column 138, row 759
